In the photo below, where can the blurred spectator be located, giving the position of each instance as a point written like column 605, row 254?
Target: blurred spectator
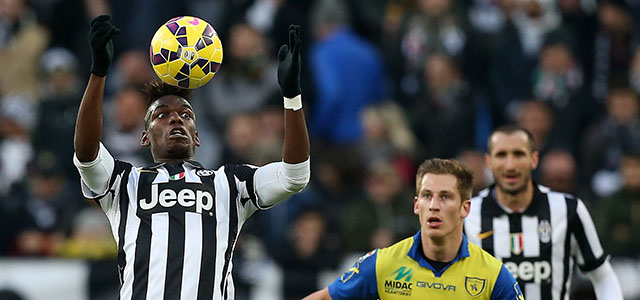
column 558, row 77
column 347, row 72
column 516, row 48
column 59, row 106
column 618, row 216
column 609, row 138
column 474, row 160
column 306, row 256
column 614, row 44
column 443, row 116
column 90, row 237
column 382, row 215
column 52, row 203
column 132, row 68
column 17, row 118
column 389, row 137
column 536, row 117
column 22, row 41
column 240, row 136
column 125, row 125
column 558, row 171
column 435, row 26
column 245, row 82
column 634, row 71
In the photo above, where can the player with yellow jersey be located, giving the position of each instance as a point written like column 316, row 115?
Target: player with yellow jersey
column 437, row 262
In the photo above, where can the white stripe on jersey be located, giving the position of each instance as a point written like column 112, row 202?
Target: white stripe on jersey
column 222, row 230
column 472, row 229
column 158, row 252
column 501, row 237
column 192, row 256
column 530, row 236
column 558, row 213
column 532, row 291
column 130, row 235
column 113, row 211
column 589, row 229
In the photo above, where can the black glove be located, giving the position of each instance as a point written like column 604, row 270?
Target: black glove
column 289, row 67
column 101, row 45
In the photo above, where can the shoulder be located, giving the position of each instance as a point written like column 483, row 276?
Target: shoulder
column 477, row 199
column 400, row 248
column 482, row 259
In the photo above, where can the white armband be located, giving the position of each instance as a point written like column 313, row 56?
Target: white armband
column 605, row 283
column 294, row 103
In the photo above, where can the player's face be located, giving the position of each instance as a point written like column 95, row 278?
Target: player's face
column 172, row 131
column 439, row 207
column 511, row 161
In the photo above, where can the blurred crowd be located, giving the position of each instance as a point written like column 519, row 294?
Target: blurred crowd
column 386, row 84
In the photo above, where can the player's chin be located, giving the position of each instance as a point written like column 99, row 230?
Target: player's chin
column 179, row 150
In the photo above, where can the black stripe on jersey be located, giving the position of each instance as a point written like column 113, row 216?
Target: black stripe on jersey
column 590, row 261
column 175, row 256
column 571, row 227
column 243, row 173
column 143, row 240
column 209, row 245
column 486, row 225
column 544, row 213
column 233, row 218
column 124, row 207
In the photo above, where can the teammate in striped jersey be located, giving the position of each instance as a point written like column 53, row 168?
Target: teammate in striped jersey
column 539, row 234
column 437, row 263
column 175, row 222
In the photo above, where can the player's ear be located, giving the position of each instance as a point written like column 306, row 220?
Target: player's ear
column 196, row 140
column 535, row 156
column 144, row 139
column 465, row 208
column 487, row 160
column 416, row 209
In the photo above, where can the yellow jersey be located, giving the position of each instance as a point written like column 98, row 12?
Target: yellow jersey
column 402, row 272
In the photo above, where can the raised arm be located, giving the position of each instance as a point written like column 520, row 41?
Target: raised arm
column 296, row 138
column 89, row 122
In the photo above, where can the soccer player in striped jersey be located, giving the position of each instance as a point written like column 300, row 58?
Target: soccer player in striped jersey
column 176, row 222
column 437, row 262
column 538, row 234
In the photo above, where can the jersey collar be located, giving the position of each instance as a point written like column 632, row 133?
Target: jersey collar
column 194, row 164
column 416, row 254
column 494, row 209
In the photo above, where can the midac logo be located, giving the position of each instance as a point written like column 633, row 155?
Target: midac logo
column 401, row 282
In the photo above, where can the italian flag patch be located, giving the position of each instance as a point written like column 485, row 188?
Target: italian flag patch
column 177, row 176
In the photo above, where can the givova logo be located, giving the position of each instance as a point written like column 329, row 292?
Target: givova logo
column 401, row 282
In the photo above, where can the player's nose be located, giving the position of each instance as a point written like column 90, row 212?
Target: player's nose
column 174, row 117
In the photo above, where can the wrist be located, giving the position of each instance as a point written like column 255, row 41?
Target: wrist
column 294, row 103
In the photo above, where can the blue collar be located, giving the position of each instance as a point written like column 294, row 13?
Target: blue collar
column 416, row 254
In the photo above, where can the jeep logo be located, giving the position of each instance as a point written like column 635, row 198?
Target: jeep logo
column 203, row 200
column 530, row 271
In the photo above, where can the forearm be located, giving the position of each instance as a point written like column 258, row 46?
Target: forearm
column 296, row 138
column 605, row 283
column 89, row 122
column 319, row 295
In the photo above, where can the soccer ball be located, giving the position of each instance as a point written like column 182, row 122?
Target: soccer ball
column 186, row 52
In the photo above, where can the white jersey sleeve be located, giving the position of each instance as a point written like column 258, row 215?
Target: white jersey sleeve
column 95, row 175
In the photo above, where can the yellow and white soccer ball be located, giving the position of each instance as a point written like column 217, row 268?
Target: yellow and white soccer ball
column 186, row 52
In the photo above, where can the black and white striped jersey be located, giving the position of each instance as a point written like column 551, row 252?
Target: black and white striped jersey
column 176, row 227
column 541, row 245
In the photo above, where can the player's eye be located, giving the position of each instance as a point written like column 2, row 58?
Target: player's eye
column 186, row 115
column 446, row 196
column 162, row 115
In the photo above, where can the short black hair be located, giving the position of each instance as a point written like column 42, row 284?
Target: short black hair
column 511, row 129
column 157, row 89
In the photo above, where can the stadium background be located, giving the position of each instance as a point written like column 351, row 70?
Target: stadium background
column 426, row 78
